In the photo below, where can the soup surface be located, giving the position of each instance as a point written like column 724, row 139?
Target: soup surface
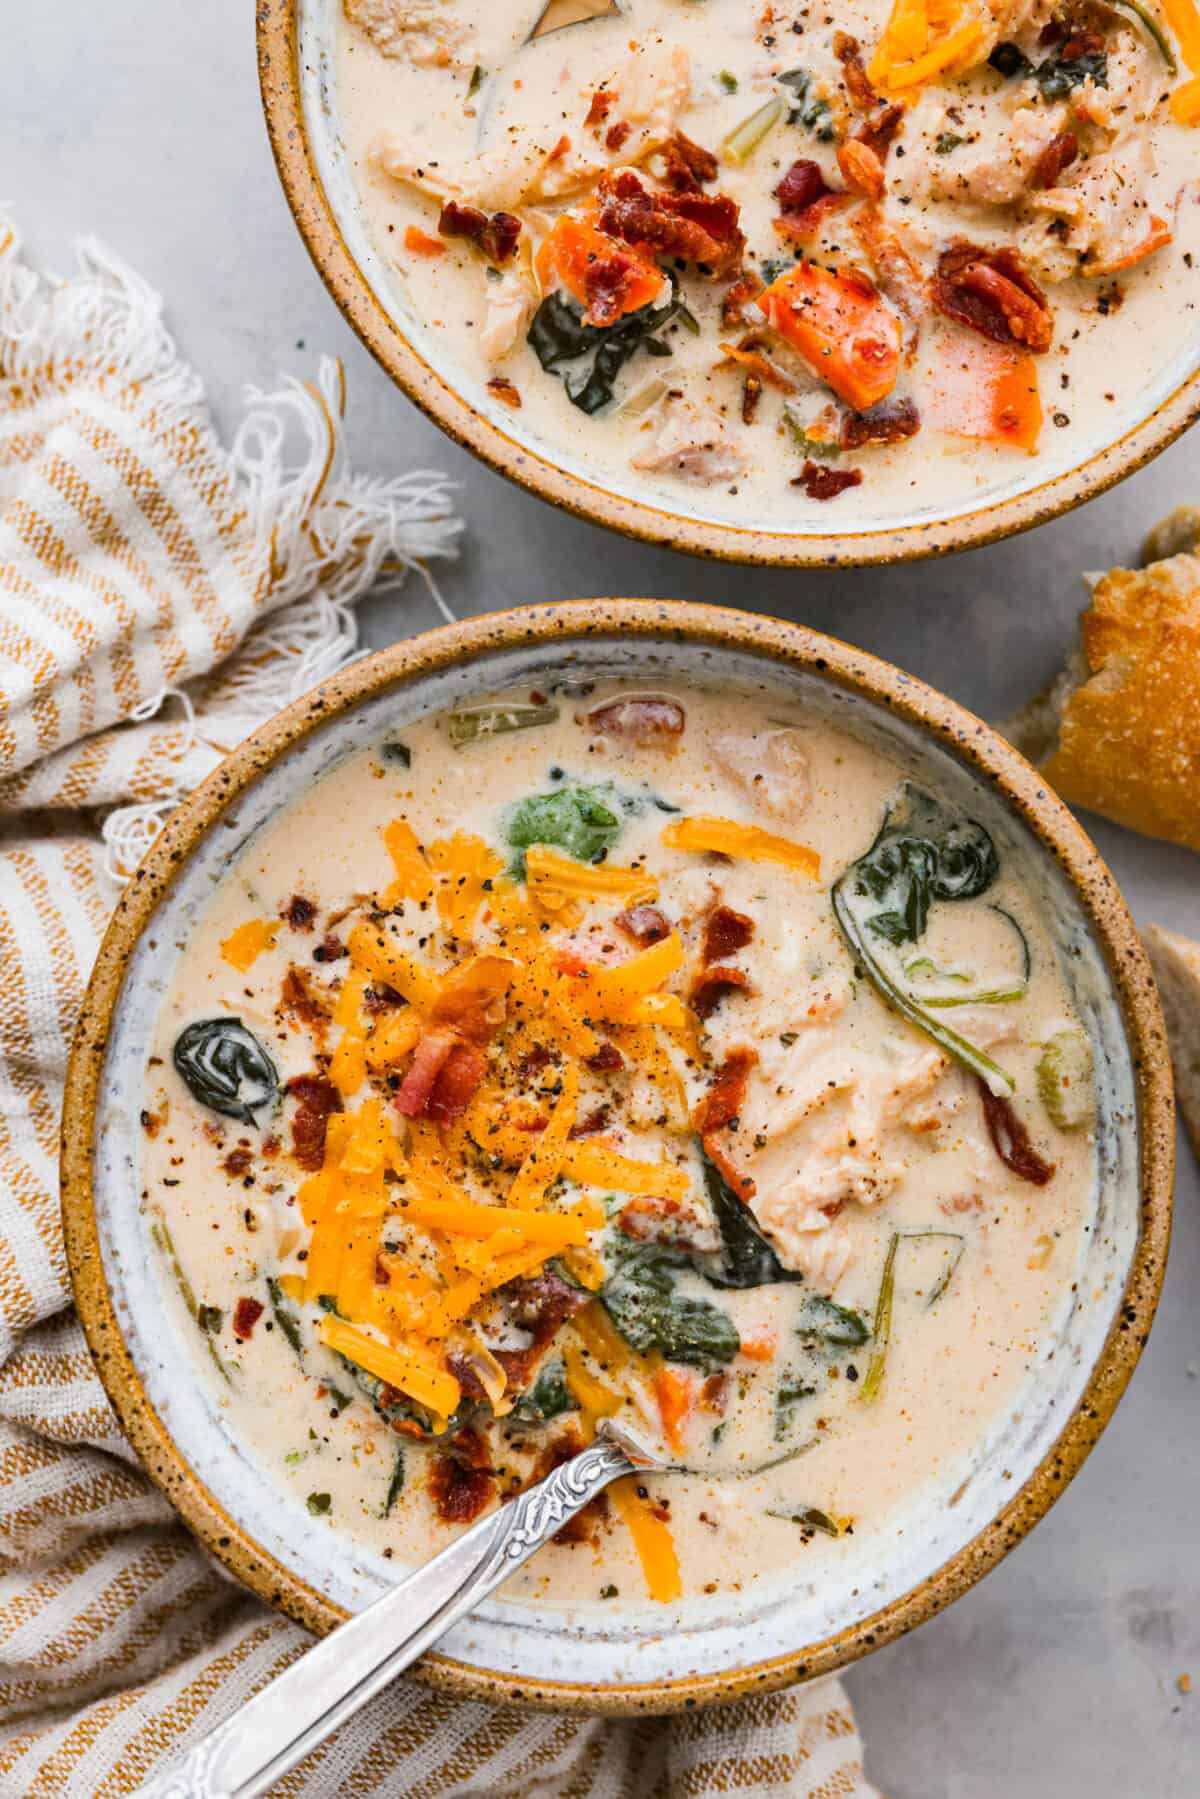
column 601, row 1053
column 780, row 254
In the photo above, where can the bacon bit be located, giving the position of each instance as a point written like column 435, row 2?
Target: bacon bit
column 299, row 913
column 848, row 51
column 1010, row 1139
column 862, row 169
column 645, row 925
column 1058, row 155
column 501, row 388
column 687, row 166
column 459, row 1492
column 316, row 1098
column 298, row 1000
column 421, row 244
column 725, row 933
column 710, row 987
column 610, row 283
column 751, row 394
column 698, row 228
column 602, row 104
column 961, row 1202
column 559, row 151
column 459, row 1364
column 759, row 1349
column 534, row 1063
column 802, row 185
column 876, row 133
column 616, row 135
column 718, row 1155
column 648, row 723
column 456, row 1084
column 993, row 292
column 607, row 1060
column 596, row 1120
column 538, row 1305
column 887, row 423
column 743, row 290
column 330, row 948
column 496, row 236
column 151, row 1123
column 820, row 482
column 246, row 1314
column 761, row 367
column 381, row 998
column 727, row 1095
column 429, row 1058
column 238, row 1161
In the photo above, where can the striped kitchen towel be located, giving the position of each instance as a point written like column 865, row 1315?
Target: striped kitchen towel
column 160, row 596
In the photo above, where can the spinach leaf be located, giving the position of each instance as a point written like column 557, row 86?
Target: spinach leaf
column 922, row 853
column 808, row 108
column 548, row 1397
column 285, row 1318
column 394, row 1408
column 791, row 1390
column 226, row 1068
column 472, row 724
column 811, row 1519
column 557, row 335
column 644, row 1306
column 580, row 821
column 824, row 1321
column 747, row 1258
column 1060, row 75
column 395, row 1484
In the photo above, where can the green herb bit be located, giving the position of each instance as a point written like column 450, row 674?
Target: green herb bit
column 395, row 1484
column 475, row 723
column 745, row 138
column 210, row 1319
column 162, row 1238
column 226, row 1068
column 1066, row 1081
column 1161, row 41
column 787, row 1038
column 580, row 821
column 475, row 83
column 809, row 107
column 948, row 141
column 294, row 1457
column 810, row 1519
column 285, row 1318
column 319, row 1504
column 395, row 751
column 609, row 1592
column 728, row 81
column 788, row 1395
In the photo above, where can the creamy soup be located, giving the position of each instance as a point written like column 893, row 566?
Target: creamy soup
column 782, row 253
column 668, row 1057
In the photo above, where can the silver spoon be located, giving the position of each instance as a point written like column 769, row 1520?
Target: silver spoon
column 304, row 1705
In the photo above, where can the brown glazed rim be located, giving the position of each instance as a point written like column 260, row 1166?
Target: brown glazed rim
column 279, row 77
column 794, row 647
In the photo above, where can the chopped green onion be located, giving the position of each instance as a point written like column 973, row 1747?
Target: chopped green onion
column 285, row 1318
column 882, row 1331
column 474, row 723
column 1066, row 1081
column 728, row 81
column 476, row 82
column 948, row 141
column 396, row 1484
column 745, row 138
column 319, row 1504
column 162, row 1237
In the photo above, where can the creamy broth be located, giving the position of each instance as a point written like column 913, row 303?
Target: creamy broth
column 451, row 107
column 856, row 1298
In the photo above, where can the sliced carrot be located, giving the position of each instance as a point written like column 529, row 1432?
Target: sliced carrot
column 674, row 1394
column 988, row 392
column 652, row 1539
column 748, row 843
column 420, row 242
column 573, row 246
column 243, row 947
column 841, row 327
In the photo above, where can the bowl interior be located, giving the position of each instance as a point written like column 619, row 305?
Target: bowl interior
column 977, row 512
column 789, row 1614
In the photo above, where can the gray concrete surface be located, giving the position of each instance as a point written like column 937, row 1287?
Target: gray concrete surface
column 1057, row 1677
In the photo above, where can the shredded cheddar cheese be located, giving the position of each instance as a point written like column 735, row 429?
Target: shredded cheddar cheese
column 402, row 1369
column 747, row 843
column 242, row 948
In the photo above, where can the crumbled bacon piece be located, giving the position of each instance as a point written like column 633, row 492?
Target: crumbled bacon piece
column 711, row 985
column 803, row 183
column 298, row 999
column 608, row 284
column 237, row 1162
column 727, row 1095
column 534, row 1063
column 617, row 134
column 459, row 1491
column 539, row 1305
column 698, row 228
column 456, row 1083
column 429, row 1058
column 316, row 1098
column 993, row 292
column 644, row 924
column 848, row 51
column 602, row 104
column 381, row 998
column 1010, row 1139
column 496, row 236
column 686, row 166
column 1058, row 155
column 607, row 1060
column 876, row 132
column 300, row 912
column 246, row 1314
column 820, row 482
column 649, row 722
column 504, row 390
column 890, row 422
column 744, row 289
column 330, row 948
column 725, row 933
column 592, row 1122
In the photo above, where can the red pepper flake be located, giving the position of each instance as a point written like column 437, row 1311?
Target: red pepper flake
column 820, row 482
column 246, row 1315
column 504, row 390
column 419, row 243
column 1010, row 1139
column 496, row 236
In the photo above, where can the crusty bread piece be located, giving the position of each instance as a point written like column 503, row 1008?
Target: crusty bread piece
column 1119, row 730
column 1176, row 964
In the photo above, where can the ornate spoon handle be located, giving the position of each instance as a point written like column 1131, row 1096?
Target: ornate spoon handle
column 280, row 1725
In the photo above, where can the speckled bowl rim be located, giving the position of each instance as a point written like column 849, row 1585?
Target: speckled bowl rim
column 794, row 646
column 279, row 79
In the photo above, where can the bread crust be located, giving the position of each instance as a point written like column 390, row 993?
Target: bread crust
column 1176, row 964
column 1128, row 739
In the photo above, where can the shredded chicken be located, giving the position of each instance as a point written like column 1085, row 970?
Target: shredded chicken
column 425, row 33
column 772, row 767
column 509, row 304
column 693, row 444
